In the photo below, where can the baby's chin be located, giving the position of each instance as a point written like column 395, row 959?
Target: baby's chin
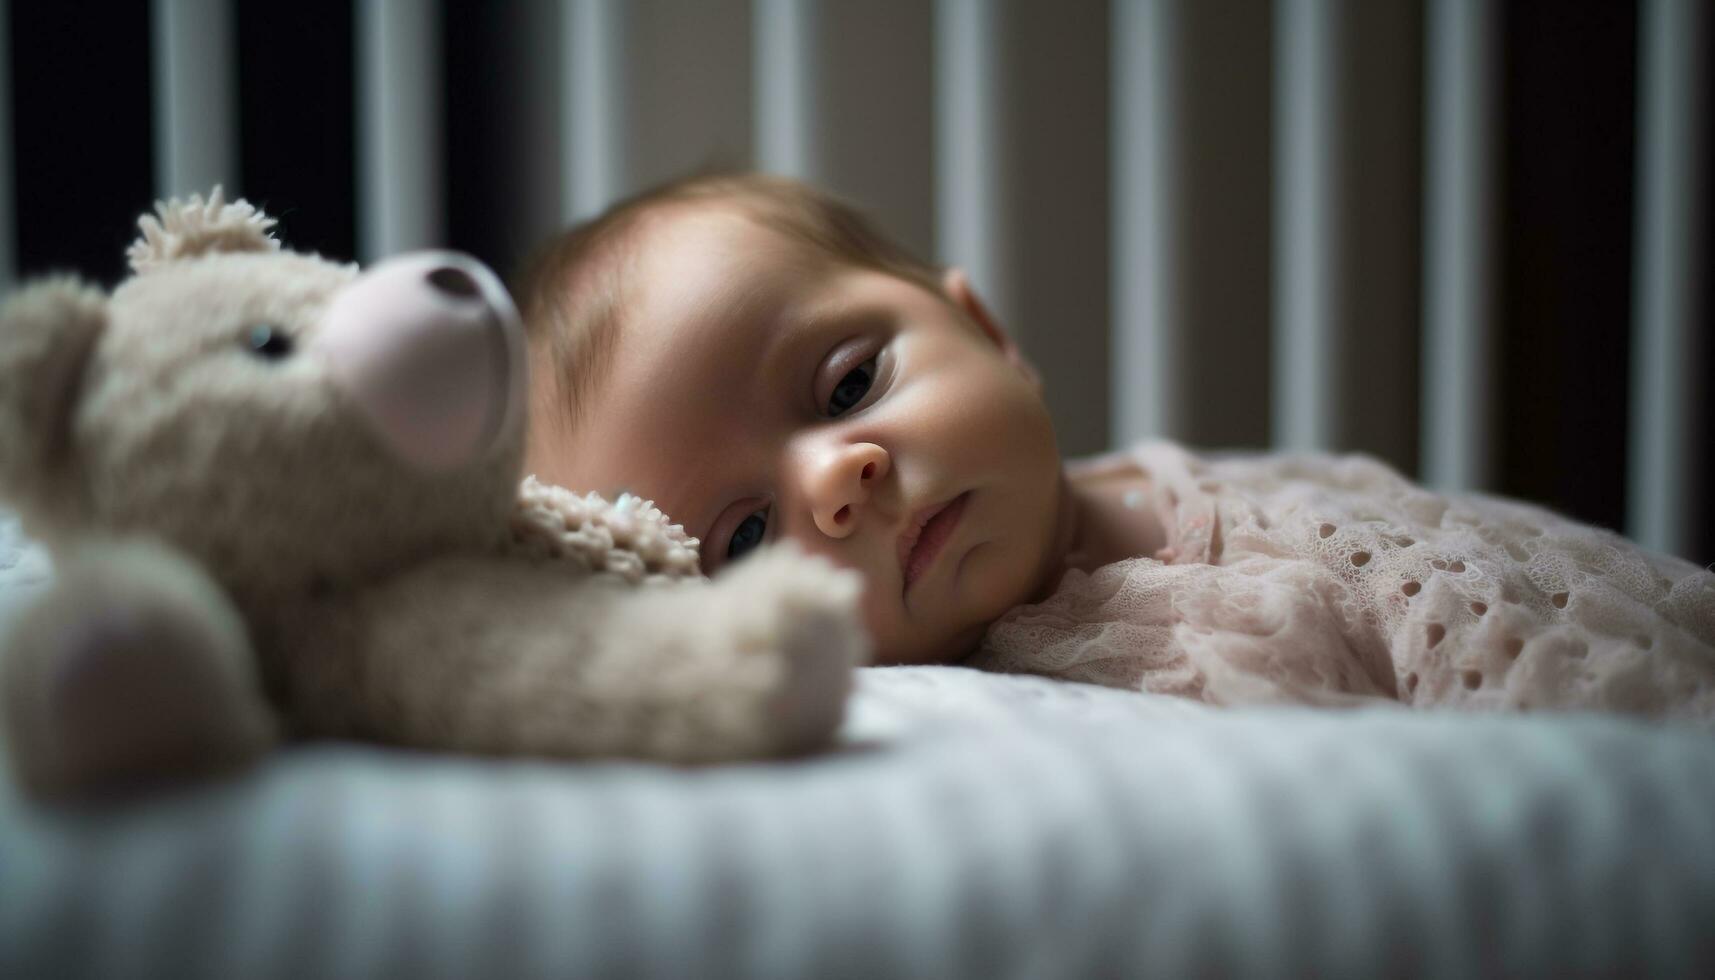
column 952, row 648
column 1012, row 571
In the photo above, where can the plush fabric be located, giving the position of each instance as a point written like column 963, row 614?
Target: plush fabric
column 1334, row 580
column 283, row 497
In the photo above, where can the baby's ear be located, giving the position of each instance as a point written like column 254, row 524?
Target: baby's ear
column 190, row 227
column 957, row 285
column 47, row 331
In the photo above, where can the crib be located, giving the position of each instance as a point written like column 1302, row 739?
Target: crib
column 1467, row 238
column 1389, row 228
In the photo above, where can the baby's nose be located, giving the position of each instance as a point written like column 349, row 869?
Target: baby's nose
column 841, row 485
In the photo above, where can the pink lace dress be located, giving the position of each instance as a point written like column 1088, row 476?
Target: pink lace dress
column 1332, row 579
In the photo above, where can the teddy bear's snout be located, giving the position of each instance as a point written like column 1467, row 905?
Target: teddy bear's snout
column 455, row 282
column 429, row 347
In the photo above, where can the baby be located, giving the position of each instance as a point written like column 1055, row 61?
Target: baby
column 753, row 356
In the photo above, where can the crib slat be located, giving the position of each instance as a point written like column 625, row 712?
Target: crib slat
column 399, row 127
column 1458, row 416
column 973, row 179
column 1147, row 399
column 195, row 87
column 595, row 103
column 785, row 85
column 1347, row 242
column 1191, row 250
column 1669, row 329
column 1307, row 155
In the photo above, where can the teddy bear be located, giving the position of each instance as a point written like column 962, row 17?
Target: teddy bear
column 283, row 499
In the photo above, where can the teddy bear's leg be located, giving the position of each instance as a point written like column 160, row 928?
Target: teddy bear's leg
column 134, row 668
column 511, row 657
column 799, row 613
column 757, row 662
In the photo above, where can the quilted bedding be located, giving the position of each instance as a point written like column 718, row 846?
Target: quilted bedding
column 969, row 825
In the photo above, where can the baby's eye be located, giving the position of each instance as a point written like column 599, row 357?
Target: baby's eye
column 851, row 388
column 747, row 535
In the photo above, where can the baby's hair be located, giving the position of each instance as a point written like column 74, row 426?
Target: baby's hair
column 570, row 289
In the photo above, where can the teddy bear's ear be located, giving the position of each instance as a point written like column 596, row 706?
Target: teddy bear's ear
column 187, row 228
column 47, row 331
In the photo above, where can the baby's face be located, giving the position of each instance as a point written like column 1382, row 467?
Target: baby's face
column 759, row 391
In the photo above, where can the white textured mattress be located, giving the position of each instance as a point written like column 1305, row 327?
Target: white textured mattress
column 971, row 825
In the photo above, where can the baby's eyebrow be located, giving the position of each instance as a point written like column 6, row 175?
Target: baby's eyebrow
column 782, row 348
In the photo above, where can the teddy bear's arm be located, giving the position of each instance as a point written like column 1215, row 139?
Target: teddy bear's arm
column 512, row 657
column 134, row 667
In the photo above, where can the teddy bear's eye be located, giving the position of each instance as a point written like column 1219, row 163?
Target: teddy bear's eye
column 269, row 341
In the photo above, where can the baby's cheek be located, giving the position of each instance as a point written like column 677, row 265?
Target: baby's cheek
column 882, row 620
column 932, row 637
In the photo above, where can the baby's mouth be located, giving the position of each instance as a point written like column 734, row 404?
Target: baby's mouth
column 926, row 535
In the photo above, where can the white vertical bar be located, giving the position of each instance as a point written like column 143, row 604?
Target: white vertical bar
column 8, row 213
column 786, row 83
column 972, row 162
column 195, row 90
column 1458, row 416
column 595, row 105
column 1670, row 261
column 1306, row 358
column 1145, row 280
column 399, row 126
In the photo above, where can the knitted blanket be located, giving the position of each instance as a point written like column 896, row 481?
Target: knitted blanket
column 1321, row 579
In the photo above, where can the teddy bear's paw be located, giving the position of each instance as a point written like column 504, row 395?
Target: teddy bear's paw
column 130, row 672
column 785, row 598
column 628, row 537
column 803, row 611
